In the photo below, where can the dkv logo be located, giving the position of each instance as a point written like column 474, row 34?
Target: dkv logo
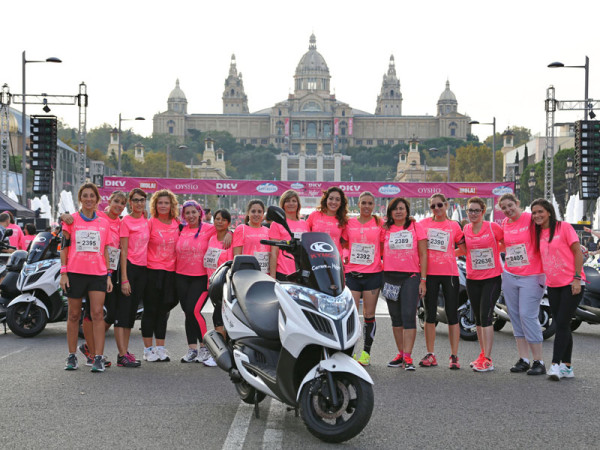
column 266, row 188
column 227, row 186
column 389, row 189
column 114, row 183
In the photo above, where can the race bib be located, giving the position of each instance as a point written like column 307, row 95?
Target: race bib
column 263, row 260
column 482, row 258
column 113, row 257
column 437, row 240
column 363, row 254
column 87, row 241
column 297, row 234
column 211, row 258
column 401, row 240
column 516, row 256
column 391, row 291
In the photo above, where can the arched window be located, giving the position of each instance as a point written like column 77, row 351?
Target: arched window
column 171, row 126
column 232, row 93
column 392, row 93
column 311, row 130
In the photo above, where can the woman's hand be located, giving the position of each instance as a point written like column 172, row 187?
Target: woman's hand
column 109, row 285
column 64, row 282
column 422, row 289
column 66, row 218
column 126, row 288
column 576, row 286
column 227, row 240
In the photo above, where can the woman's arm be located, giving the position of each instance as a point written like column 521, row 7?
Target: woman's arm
column 125, row 286
column 422, row 248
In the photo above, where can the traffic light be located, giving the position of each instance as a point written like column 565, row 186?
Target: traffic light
column 43, row 132
column 587, row 157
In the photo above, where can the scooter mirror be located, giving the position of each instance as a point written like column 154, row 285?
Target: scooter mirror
column 277, row 215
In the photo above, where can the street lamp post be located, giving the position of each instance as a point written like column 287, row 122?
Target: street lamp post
column 181, row 147
column 119, row 141
column 493, row 124
column 447, row 159
column 586, row 67
column 531, row 184
column 24, row 123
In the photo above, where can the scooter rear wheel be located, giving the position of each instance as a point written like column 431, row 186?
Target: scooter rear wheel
column 248, row 394
column 26, row 319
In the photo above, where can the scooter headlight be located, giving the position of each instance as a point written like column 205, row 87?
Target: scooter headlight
column 334, row 307
column 28, row 269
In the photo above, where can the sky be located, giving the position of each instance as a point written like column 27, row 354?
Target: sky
column 129, row 54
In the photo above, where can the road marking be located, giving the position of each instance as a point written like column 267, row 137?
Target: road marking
column 13, row 353
column 239, row 427
column 273, row 437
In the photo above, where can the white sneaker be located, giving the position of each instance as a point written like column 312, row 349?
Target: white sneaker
column 190, row 356
column 209, row 362
column 150, row 355
column 554, row 373
column 162, row 354
column 203, row 354
column 566, row 372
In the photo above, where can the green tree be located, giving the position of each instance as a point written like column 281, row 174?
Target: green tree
column 474, row 163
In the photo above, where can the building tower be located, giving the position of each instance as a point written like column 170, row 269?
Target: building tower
column 177, row 103
column 312, row 73
column 447, row 103
column 235, row 100
column 113, row 145
column 389, row 101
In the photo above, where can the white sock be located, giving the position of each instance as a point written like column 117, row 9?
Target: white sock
column 525, row 360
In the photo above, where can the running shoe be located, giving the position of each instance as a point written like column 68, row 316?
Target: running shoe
column 71, row 363
column 98, row 365
column 397, row 361
column 190, row 356
column 537, row 368
column 485, row 365
column 520, row 366
column 478, row 360
column 209, row 362
column 453, row 364
column 132, row 357
column 429, row 360
column 107, row 363
column 162, row 355
column 126, row 361
column 554, row 372
column 566, row 371
column 408, row 363
column 89, row 358
column 203, row 354
column 365, row 359
column 150, row 355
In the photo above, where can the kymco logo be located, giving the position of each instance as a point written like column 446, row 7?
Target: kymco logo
column 266, row 188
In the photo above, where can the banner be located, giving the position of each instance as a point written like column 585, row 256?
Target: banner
column 307, row 188
column 350, row 126
column 336, row 127
column 287, row 126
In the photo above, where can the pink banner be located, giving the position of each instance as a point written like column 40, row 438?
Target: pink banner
column 306, row 188
column 350, row 126
column 336, row 126
column 287, row 126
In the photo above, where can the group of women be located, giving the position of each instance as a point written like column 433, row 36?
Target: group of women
column 164, row 262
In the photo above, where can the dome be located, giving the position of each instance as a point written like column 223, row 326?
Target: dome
column 447, row 95
column 177, row 93
column 13, row 123
column 312, row 60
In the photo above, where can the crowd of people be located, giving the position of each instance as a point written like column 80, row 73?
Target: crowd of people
column 166, row 258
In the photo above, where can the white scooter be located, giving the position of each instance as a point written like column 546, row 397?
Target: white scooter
column 293, row 340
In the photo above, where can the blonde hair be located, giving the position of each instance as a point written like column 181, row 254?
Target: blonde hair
column 287, row 195
column 172, row 198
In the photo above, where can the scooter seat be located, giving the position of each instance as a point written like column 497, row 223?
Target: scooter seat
column 255, row 293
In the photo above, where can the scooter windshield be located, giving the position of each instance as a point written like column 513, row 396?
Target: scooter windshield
column 44, row 246
column 320, row 257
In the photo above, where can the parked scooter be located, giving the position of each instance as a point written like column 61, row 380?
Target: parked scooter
column 293, row 340
column 589, row 308
column 545, row 316
column 6, row 294
column 41, row 300
column 466, row 320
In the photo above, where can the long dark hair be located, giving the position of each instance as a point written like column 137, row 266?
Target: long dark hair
column 553, row 222
column 342, row 213
column 389, row 220
column 251, row 203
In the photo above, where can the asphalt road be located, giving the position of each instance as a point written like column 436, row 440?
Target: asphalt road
column 175, row 405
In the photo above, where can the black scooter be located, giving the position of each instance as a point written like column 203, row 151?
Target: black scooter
column 8, row 278
column 588, row 310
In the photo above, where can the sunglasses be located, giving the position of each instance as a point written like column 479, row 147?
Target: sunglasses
column 474, row 211
column 138, row 200
column 436, row 205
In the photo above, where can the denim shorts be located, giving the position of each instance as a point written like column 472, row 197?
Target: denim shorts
column 359, row 282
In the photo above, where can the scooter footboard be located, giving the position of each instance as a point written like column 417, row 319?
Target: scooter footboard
column 29, row 298
column 338, row 362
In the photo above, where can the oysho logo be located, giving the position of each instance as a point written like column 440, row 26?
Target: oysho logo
column 389, row 189
column 428, row 190
column 321, row 247
column 266, row 188
column 501, row 190
column 147, row 185
column 114, row 183
column 297, row 186
column 187, row 186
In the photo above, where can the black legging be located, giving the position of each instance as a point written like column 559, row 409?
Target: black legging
column 483, row 295
column 190, row 291
column 127, row 305
column 159, row 300
column 403, row 308
column 563, row 304
column 450, row 288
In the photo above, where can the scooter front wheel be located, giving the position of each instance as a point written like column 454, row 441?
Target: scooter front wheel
column 336, row 423
column 248, row 394
column 26, row 319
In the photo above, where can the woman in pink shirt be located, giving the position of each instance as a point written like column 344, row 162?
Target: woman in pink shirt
column 332, row 215
column 282, row 264
column 191, row 278
column 30, row 233
column 443, row 235
column 17, row 239
column 84, row 259
column 562, row 260
column 247, row 237
column 484, row 277
column 523, row 284
column 159, row 294
column 404, row 276
column 363, row 267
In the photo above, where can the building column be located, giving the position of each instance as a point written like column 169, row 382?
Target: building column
column 337, row 168
column 302, row 166
column 320, row 166
column 284, row 166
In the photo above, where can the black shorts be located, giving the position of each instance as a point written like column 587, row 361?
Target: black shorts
column 80, row 284
column 359, row 282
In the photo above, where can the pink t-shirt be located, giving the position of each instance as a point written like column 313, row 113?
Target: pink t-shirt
column 285, row 263
column 138, row 233
column 249, row 238
column 364, row 245
column 191, row 249
column 441, row 240
column 86, row 251
column 400, row 249
column 18, row 238
column 483, row 253
column 28, row 238
column 557, row 258
column 216, row 255
column 521, row 258
column 161, row 245
column 317, row 221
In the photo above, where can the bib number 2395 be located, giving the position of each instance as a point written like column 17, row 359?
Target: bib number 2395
column 87, row 241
